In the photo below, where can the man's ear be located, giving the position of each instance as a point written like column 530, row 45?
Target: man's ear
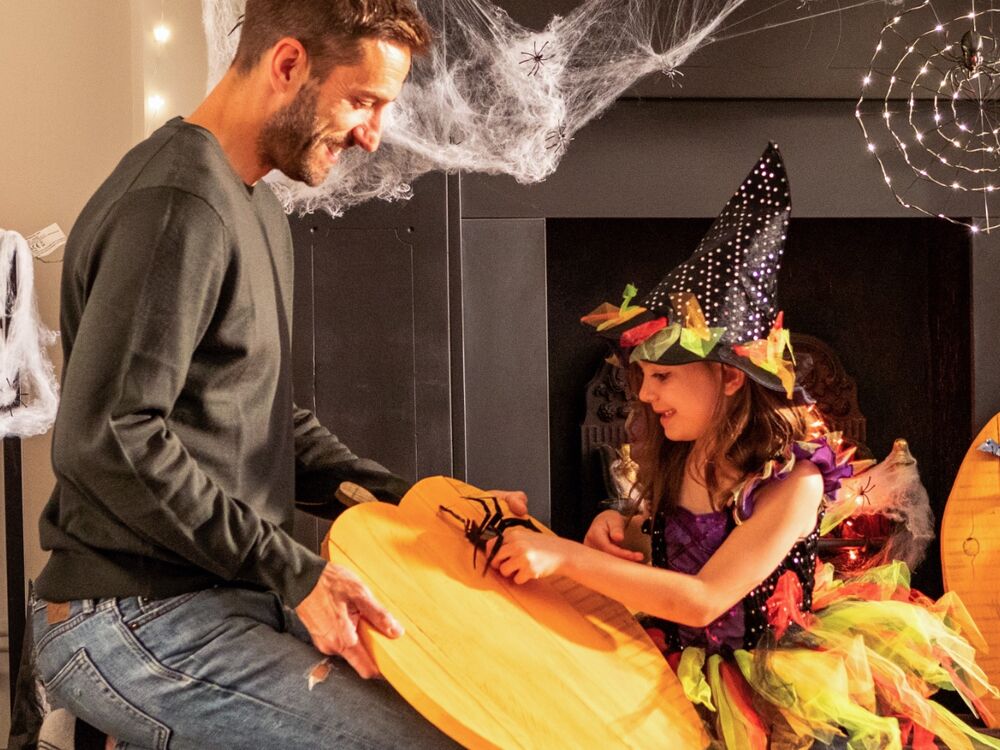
column 288, row 65
column 733, row 378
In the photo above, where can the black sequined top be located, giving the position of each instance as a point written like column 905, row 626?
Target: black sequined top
column 684, row 541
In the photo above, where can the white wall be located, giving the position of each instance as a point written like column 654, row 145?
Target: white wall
column 73, row 78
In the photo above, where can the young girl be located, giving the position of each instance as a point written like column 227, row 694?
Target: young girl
column 773, row 652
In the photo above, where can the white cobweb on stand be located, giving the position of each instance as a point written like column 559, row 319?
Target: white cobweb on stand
column 26, row 374
column 501, row 99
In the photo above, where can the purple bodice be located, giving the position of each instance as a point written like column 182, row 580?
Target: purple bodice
column 684, row 541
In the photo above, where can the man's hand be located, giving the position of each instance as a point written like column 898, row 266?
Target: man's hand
column 607, row 533
column 516, row 500
column 331, row 613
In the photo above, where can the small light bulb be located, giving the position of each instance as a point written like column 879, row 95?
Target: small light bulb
column 866, row 80
column 155, row 103
column 161, row 33
column 955, row 186
column 920, row 137
column 871, row 147
column 975, row 229
column 939, row 27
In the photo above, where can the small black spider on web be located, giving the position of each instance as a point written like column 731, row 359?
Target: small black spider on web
column 557, row 138
column 536, row 57
column 672, row 75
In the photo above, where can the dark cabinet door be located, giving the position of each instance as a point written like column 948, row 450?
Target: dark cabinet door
column 371, row 332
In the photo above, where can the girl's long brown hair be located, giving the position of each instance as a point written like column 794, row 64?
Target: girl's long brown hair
column 749, row 428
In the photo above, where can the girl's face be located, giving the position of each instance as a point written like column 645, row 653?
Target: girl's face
column 684, row 397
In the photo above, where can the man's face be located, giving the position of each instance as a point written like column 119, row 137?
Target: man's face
column 305, row 138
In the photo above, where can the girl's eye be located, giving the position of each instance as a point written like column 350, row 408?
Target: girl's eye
column 661, row 376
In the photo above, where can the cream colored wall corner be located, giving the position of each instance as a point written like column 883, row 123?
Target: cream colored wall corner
column 75, row 77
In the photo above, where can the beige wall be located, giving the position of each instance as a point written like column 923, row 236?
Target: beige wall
column 73, row 79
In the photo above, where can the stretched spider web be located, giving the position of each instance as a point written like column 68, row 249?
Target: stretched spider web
column 496, row 97
column 930, row 112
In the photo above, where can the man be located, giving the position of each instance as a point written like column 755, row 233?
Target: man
column 164, row 614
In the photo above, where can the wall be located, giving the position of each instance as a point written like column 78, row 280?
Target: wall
column 73, row 91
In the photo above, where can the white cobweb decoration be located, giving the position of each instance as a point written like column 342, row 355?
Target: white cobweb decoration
column 501, row 99
column 26, row 374
column 893, row 489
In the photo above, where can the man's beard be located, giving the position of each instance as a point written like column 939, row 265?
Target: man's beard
column 288, row 140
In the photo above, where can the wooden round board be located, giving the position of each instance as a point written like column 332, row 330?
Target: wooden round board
column 970, row 547
column 493, row 664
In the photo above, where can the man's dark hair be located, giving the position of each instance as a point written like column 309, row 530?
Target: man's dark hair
column 329, row 30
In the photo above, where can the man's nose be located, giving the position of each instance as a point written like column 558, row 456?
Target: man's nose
column 368, row 135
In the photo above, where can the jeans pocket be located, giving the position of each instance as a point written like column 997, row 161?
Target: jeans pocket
column 81, row 688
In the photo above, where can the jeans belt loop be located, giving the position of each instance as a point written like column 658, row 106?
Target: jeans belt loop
column 87, row 606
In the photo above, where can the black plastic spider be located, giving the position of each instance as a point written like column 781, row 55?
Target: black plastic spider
column 239, row 22
column 536, row 57
column 972, row 62
column 493, row 525
column 557, row 138
column 862, row 494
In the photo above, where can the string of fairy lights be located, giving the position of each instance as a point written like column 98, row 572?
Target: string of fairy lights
column 930, row 113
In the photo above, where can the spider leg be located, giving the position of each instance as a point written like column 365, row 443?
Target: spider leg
column 452, row 513
column 493, row 552
column 509, row 522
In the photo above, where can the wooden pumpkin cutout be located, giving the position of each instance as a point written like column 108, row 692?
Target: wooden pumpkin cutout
column 970, row 547
column 493, row 664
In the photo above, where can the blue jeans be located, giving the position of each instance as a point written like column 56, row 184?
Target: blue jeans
column 223, row 667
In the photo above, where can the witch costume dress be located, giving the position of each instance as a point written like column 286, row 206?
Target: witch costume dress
column 804, row 657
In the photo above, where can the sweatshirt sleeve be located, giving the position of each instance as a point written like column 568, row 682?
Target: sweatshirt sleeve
column 151, row 291
column 322, row 462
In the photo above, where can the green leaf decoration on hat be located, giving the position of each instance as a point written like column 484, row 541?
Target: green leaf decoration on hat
column 627, row 296
column 693, row 341
column 653, row 348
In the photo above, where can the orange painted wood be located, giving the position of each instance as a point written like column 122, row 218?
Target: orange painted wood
column 492, row 664
column 970, row 547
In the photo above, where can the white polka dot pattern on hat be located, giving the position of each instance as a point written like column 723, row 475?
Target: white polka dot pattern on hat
column 734, row 271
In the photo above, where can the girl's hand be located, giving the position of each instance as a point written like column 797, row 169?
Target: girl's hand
column 607, row 533
column 527, row 555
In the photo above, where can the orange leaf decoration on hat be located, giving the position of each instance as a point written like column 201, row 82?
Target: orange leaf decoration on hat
column 603, row 312
column 635, row 336
column 607, row 315
column 768, row 354
column 686, row 306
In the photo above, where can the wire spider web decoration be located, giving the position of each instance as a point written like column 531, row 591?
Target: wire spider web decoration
column 930, row 113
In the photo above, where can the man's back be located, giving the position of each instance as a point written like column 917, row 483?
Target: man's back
column 177, row 392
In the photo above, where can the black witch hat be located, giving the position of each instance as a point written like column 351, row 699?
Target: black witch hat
column 720, row 304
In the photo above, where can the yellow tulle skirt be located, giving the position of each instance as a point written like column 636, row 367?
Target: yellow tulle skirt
column 860, row 668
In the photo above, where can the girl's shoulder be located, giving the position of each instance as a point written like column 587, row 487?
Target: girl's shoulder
column 803, row 462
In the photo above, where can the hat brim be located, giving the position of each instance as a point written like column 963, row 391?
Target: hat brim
column 678, row 355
